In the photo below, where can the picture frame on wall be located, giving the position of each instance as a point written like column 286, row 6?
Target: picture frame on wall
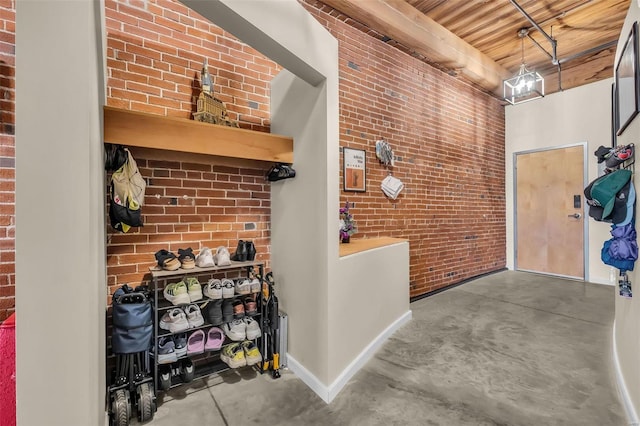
column 354, row 172
column 626, row 82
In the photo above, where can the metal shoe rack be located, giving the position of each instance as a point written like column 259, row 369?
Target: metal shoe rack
column 189, row 368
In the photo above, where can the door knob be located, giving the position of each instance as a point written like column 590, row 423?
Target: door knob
column 575, row 215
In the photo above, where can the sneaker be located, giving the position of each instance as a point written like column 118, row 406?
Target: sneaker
column 251, row 352
column 233, row 355
column 174, row 321
column 166, row 351
column 214, row 312
column 205, row 258
column 228, row 288
column 177, row 293
column 235, row 330
column 243, row 286
column 213, row 289
column 255, row 286
column 195, row 343
column 227, row 310
column 194, row 316
column 250, row 307
column 180, row 342
column 252, row 329
column 215, row 337
column 194, row 289
column 238, row 309
column 186, row 258
column 222, row 257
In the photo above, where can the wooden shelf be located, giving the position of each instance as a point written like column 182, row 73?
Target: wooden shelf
column 132, row 128
column 363, row 244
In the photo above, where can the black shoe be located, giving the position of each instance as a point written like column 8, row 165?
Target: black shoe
column 251, row 250
column 241, row 252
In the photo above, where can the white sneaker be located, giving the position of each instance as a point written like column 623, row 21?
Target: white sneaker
column 252, row 328
column 174, row 321
column 243, row 286
column 222, row 257
column 213, row 289
column 235, row 330
column 205, row 258
column 194, row 316
column 255, row 286
column 228, row 289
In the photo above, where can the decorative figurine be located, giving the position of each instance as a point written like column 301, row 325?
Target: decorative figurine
column 209, row 109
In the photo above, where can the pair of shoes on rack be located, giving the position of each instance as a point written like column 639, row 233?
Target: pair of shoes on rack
column 171, row 348
column 177, row 320
column 220, row 311
column 170, row 262
column 206, row 258
column 238, row 355
column 219, row 289
column 241, row 329
column 199, row 341
column 183, row 292
column 246, row 250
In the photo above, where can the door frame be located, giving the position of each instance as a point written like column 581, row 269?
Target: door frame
column 585, row 216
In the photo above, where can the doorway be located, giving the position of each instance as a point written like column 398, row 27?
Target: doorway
column 549, row 211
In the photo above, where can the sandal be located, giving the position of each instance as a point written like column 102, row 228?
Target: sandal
column 186, row 258
column 280, row 171
column 167, row 260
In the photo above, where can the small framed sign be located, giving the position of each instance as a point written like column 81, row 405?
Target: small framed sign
column 354, row 171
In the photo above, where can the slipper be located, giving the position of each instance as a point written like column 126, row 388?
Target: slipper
column 186, row 258
column 195, row 343
column 280, row 171
column 167, row 260
column 215, row 337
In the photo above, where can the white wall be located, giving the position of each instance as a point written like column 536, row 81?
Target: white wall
column 627, row 323
column 578, row 115
column 60, row 229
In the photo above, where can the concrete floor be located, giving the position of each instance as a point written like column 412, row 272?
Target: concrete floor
column 510, row 348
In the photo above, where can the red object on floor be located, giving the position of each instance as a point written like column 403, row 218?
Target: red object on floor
column 8, row 371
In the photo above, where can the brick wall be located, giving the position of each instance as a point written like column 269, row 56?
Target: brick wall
column 7, row 158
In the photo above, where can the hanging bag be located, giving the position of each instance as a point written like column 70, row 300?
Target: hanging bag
column 127, row 195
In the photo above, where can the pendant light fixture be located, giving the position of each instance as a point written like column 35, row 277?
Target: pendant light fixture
column 526, row 85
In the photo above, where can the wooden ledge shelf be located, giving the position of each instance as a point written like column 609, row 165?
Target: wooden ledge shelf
column 364, row 244
column 132, row 128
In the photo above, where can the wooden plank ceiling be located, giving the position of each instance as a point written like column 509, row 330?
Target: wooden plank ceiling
column 489, row 29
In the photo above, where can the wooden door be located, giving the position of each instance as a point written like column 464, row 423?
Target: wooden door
column 549, row 217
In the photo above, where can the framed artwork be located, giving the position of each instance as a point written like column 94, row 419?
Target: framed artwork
column 354, row 172
column 627, row 82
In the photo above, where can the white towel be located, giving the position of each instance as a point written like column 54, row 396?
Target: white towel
column 392, row 187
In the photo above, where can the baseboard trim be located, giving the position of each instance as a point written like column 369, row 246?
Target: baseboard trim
column 328, row 393
column 630, row 411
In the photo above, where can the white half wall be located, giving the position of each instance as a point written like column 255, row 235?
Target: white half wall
column 60, row 215
column 627, row 323
column 582, row 114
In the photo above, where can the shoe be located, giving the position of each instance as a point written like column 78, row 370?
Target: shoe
column 177, row 293
column 251, row 352
column 167, row 260
column 255, row 286
column 250, row 307
column 174, row 321
column 243, row 286
column 233, row 355
column 228, row 289
column 215, row 337
column 213, row 289
column 180, row 342
column 186, row 258
column 214, row 312
column 194, row 316
column 280, row 171
column 235, row 330
column 227, row 310
column 195, row 343
column 166, row 351
column 241, row 252
column 194, row 289
column 222, row 257
column 251, row 250
column 205, row 258
column 238, row 309
column 252, row 329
